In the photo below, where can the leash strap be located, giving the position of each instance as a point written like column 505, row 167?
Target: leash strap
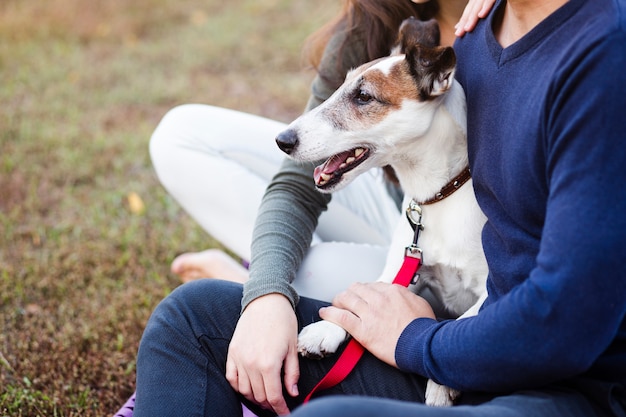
column 405, row 276
column 354, row 350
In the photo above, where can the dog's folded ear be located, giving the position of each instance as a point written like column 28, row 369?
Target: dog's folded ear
column 417, row 32
column 432, row 66
column 432, row 69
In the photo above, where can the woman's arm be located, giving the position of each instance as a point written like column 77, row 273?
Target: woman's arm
column 291, row 206
column 284, row 227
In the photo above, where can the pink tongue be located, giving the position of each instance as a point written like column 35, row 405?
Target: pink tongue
column 331, row 165
column 317, row 173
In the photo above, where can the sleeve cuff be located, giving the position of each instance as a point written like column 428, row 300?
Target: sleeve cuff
column 413, row 344
column 255, row 288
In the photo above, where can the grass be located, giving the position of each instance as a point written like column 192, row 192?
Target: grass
column 87, row 231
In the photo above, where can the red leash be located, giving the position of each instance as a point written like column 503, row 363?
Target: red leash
column 354, row 350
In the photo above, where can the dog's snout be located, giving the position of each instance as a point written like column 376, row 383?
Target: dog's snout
column 287, row 140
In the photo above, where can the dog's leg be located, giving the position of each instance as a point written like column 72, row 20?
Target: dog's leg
column 320, row 339
column 439, row 395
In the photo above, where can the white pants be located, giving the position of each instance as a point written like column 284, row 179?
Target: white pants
column 217, row 163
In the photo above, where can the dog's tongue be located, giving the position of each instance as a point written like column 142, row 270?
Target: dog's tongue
column 330, row 166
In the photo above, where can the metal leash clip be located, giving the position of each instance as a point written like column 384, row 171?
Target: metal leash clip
column 414, row 216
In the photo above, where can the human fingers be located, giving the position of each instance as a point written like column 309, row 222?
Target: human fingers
column 261, row 385
column 232, row 375
column 475, row 10
column 292, row 372
column 266, row 383
column 239, row 380
column 376, row 314
column 354, row 298
column 486, row 8
column 468, row 18
column 272, row 391
column 343, row 318
column 258, row 393
column 265, row 334
column 380, row 299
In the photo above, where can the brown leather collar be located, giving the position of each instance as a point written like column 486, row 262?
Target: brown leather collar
column 454, row 184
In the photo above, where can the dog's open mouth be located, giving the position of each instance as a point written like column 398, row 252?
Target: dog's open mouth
column 330, row 172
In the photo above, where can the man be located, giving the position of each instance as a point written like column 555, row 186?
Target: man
column 546, row 89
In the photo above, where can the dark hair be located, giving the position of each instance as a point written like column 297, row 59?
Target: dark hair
column 379, row 20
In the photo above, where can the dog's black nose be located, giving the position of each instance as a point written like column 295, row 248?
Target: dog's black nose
column 287, row 140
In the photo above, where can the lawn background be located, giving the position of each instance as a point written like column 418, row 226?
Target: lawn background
column 87, row 231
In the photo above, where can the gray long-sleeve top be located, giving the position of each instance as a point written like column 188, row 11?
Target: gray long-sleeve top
column 291, row 206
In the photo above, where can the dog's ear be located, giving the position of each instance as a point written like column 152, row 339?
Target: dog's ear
column 417, row 32
column 432, row 69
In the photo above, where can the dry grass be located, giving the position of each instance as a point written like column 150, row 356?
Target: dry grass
column 84, row 82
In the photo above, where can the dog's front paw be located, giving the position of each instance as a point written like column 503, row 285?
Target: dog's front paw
column 440, row 395
column 320, row 339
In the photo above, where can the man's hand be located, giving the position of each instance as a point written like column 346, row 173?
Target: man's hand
column 263, row 345
column 375, row 314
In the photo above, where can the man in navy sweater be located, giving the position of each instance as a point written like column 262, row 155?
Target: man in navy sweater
column 546, row 90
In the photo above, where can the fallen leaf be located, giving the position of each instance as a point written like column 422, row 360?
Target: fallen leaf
column 135, row 203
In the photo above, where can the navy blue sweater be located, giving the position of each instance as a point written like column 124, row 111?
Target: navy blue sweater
column 547, row 147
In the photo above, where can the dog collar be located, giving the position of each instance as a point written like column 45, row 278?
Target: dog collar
column 450, row 187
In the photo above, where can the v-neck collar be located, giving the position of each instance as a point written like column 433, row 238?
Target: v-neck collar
column 502, row 55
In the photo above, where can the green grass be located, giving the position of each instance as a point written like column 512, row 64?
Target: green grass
column 82, row 86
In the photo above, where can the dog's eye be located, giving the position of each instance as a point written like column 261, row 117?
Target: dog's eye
column 363, row 97
column 425, row 62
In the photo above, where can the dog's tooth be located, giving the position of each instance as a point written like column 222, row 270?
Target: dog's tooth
column 343, row 165
column 350, row 160
column 358, row 152
column 325, row 177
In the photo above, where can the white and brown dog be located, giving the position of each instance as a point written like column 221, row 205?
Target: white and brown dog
column 406, row 111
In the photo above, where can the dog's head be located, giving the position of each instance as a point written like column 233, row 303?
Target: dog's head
column 380, row 106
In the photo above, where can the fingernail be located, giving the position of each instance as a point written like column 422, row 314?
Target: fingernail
column 294, row 390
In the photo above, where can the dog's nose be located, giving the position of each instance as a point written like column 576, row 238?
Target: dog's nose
column 287, row 140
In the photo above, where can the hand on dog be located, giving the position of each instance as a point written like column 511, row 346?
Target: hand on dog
column 375, row 314
column 264, row 343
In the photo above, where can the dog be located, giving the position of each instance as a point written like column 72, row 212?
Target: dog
column 406, row 111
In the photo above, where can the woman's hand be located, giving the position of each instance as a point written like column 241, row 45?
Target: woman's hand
column 263, row 345
column 375, row 314
column 475, row 9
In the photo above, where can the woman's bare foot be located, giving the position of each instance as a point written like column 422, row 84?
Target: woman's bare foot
column 211, row 263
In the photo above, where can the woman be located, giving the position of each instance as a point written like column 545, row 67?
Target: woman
column 197, row 335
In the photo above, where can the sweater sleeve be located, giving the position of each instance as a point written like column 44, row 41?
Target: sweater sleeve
column 282, row 234
column 291, row 206
column 567, row 317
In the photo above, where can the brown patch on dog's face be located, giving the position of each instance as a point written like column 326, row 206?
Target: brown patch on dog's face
column 380, row 106
column 375, row 92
